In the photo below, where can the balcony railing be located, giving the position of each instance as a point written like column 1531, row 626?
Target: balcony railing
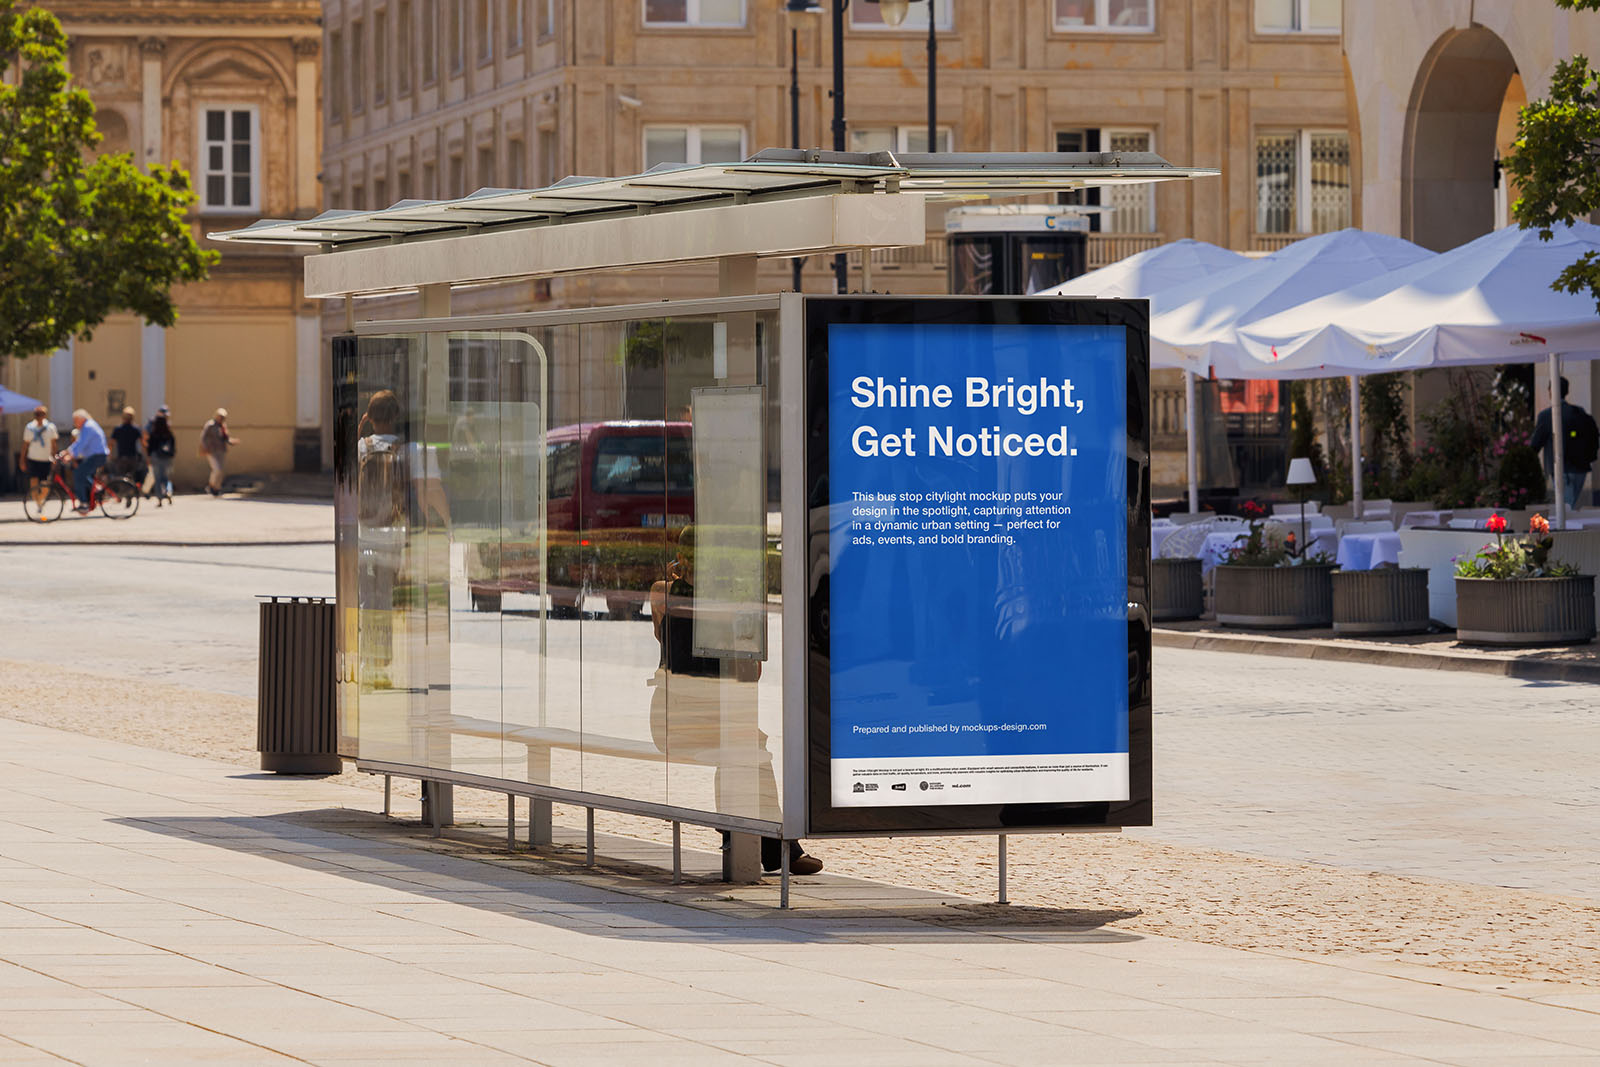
column 1272, row 242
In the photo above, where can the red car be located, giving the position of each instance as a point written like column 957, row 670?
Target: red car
column 615, row 492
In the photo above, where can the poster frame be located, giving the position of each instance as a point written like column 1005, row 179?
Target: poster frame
column 822, row 818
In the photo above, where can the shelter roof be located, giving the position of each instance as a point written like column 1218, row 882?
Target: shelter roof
column 772, row 174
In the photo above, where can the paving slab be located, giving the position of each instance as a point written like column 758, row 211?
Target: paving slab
column 299, row 922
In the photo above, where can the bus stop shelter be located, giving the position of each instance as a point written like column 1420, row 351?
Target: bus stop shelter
column 785, row 566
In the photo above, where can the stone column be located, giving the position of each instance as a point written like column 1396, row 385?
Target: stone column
column 307, row 197
column 151, row 49
column 152, row 368
column 62, row 384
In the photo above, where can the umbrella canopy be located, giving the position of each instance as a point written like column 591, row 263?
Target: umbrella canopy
column 1152, row 271
column 15, row 403
column 1197, row 324
column 1488, row 301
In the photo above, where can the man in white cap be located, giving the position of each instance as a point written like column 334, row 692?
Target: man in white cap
column 214, row 444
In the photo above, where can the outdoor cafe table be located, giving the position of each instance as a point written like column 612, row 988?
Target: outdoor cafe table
column 1364, row 551
column 1217, row 544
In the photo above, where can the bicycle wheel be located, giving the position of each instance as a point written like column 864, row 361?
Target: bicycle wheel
column 47, row 508
column 120, row 499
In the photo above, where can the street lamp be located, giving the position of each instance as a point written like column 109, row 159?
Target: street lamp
column 797, row 10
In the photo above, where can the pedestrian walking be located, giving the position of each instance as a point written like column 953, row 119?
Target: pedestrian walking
column 89, row 449
column 161, row 446
column 1580, row 447
column 214, row 444
column 127, row 439
column 39, row 438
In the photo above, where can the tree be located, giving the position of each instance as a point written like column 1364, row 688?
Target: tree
column 79, row 239
column 1556, row 160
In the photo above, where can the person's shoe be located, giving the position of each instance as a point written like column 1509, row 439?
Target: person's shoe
column 799, row 861
column 804, row 863
column 83, row 511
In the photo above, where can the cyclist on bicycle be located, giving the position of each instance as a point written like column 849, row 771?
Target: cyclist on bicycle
column 89, row 449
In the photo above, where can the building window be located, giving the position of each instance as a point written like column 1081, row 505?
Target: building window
column 430, row 183
column 693, row 12
column 458, row 178
column 232, row 167
column 430, row 27
column 358, row 67
column 458, row 35
column 547, row 158
column 1302, row 181
column 486, row 178
column 516, row 164
column 358, row 198
column 406, row 54
column 380, row 194
column 1106, row 16
column 692, row 144
column 514, row 25
column 403, row 184
column 380, row 57
column 1298, row 16
column 1126, row 208
column 547, row 18
column 898, row 139
column 336, row 76
column 868, row 17
column 484, row 17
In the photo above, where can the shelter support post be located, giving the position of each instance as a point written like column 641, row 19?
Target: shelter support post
column 1003, row 899
column 783, row 876
column 387, row 790
column 541, row 823
column 677, row 853
column 1558, row 440
column 1190, row 429
column 1357, row 496
column 588, row 857
column 511, row 822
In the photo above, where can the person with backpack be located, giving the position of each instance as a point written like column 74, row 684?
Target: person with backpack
column 161, row 446
column 214, row 444
column 1580, row 447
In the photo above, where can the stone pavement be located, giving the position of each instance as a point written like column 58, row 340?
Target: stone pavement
column 159, row 908
column 190, row 520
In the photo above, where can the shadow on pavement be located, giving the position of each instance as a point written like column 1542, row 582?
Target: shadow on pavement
column 624, row 896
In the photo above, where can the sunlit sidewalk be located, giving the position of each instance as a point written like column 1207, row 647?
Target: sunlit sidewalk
column 155, row 907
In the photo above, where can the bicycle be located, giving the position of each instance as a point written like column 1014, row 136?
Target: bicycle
column 116, row 497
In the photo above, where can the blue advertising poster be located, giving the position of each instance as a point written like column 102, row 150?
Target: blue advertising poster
column 978, row 559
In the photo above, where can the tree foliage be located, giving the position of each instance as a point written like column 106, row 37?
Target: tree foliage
column 79, row 239
column 1556, row 160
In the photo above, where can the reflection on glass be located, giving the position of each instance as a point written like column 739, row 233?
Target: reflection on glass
column 565, row 557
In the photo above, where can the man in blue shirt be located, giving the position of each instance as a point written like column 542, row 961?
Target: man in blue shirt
column 89, row 449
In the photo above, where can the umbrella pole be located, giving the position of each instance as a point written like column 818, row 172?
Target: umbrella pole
column 1356, row 497
column 1558, row 444
column 1189, row 422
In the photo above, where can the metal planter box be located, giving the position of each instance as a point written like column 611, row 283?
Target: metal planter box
column 1275, row 598
column 1176, row 590
column 1386, row 601
column 1525, row 611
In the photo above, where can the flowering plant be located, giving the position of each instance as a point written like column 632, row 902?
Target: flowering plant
column 1513, row 557
column 1268, row 545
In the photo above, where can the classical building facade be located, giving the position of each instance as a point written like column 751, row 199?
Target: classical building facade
column 229, row 90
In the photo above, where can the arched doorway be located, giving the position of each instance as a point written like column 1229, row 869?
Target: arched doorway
column 1452, row 126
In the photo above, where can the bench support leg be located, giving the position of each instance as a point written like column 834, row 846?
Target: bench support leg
column 741, row 860
column 511, row 823
column 677, row 853
column 387, row 782
column 589, row 861
column 541, row 828
column 783, row 876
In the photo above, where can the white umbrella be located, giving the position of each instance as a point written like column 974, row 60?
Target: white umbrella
column 1488, row 301
column 1201, row 321
column 12, row 403
column 1146, row 276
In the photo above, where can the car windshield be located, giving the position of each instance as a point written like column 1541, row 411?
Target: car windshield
column 643, row 464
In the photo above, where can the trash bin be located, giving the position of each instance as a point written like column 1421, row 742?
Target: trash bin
column 296, row 721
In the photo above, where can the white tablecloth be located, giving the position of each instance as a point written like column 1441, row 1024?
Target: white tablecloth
column 1423, row 518
column 1158, row 534
column 1216, row 545
column 1364, row 551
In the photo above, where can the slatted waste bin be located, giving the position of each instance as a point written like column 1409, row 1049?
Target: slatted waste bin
column 296, row 721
